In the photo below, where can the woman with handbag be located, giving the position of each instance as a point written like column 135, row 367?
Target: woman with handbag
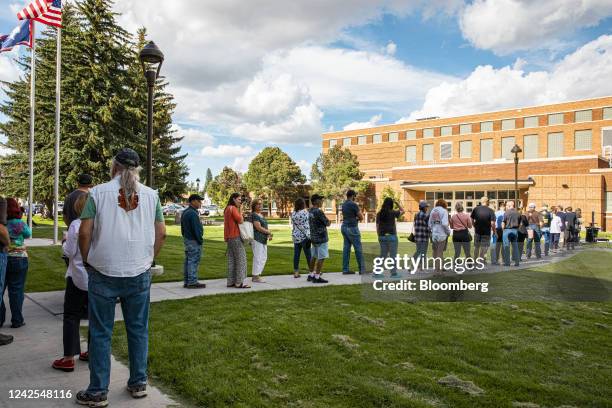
column 300, row 235
column 461, row 223
column 236, row 255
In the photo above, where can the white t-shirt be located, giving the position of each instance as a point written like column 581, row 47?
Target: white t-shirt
column 75, row 270
column 555, row 225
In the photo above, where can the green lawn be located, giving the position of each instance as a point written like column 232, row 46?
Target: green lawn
column 324, row 347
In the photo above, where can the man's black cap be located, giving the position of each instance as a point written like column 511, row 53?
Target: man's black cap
column 316, row 197
column 128, row 158
column 195, row 197
column 85, row 180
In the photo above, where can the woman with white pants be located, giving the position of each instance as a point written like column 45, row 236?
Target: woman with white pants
column 261, row 235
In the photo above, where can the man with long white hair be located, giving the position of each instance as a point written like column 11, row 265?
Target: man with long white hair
column 122, row 230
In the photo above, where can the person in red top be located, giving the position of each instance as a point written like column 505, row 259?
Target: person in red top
column 236, row 254
column 461, row 223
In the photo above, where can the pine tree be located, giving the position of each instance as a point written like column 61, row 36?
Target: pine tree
column 209, row 178
column 103, row 108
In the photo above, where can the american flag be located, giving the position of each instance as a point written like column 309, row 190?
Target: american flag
column 45, row 11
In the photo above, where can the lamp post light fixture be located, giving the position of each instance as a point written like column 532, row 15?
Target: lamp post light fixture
column 198, row 185
column 516, row 150
column 151, row 59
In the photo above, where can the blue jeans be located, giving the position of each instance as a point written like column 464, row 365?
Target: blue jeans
column 388, row 248
column 3, row 261
column 496, row 245
column 193, row 253
column 546, row 235
column 510, row 238
column 14, row 282
column 352, row 236
column 297, row 251
column 134, row 293
column 537, row 236
column 421, row 249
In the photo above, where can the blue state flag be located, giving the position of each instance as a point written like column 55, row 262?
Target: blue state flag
column 21, row 35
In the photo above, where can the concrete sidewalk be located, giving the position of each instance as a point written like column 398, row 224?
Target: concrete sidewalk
column 27, row 361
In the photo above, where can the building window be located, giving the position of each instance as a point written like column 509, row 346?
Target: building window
column 465, row 149
column 446, row 131
column 465, row 129
column 486, row 126
column 530, row 146
column 362, row 140
column 609, row 201
column 606, row 137
column 507, row 143
column 583, row 140
column 446, row 150
column 410, row 134
column 486, row 150
column 607, row 113
column 377, row 138
column 332, row 143
column 508, row 124
column 428, row 152
column 429, row 132
column 555, row 144
column 584, row 116
column 411, row 154
column 530, row 122
column 555, row 119
column 346, row 141
column 393, row 137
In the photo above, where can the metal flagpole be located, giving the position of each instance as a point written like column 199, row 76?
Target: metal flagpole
column 32, row 117
column 58, row 88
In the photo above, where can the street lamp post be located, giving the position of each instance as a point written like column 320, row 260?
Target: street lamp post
column 198, row 185
column 516, row 150
column 151, row 59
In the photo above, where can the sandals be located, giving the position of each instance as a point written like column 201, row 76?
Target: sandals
column 296, row 275
column 243, row 286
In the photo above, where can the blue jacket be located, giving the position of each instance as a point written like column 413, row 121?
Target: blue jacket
column 191, row 227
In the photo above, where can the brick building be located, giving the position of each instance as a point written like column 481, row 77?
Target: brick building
column 566, row 157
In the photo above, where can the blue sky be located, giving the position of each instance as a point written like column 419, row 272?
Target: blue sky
column 246, row 76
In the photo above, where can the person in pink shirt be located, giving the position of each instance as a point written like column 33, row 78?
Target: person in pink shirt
column 461, row 223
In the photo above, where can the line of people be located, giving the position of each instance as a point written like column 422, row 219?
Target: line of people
column 505, row 231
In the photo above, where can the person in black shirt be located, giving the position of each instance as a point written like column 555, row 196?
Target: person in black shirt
column 570, row 228
column 386, row 230
column 85, row 183
column 483, row 219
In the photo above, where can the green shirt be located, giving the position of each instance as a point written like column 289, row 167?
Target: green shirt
column 89, row 211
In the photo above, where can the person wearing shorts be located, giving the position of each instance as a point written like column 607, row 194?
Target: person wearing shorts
column 320, row 240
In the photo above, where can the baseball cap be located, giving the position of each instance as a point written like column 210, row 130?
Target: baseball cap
column 128, row 157
column 85, row 179
column 316, row 197
column 423, row 204
column 195, row 197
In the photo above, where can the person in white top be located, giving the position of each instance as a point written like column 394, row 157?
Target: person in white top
column 122, row 230
column 440, row 230
column 555, row 231
column 75, row 297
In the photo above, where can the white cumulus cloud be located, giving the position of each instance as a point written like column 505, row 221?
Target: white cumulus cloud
column 374, row 121
column 226, row 151
column 505, row 26
column 585, row 73
column 193, row 137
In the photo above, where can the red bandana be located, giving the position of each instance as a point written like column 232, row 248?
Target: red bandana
column 122, row 201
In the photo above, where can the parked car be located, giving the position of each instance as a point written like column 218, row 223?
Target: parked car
column 213, row 210
column 172, row 209
column 204, row 212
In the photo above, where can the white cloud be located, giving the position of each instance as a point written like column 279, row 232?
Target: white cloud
column 391, row 48
column 374, row 120
column 241, row 164
column 5, row 151
column 305, row 166
column 193, row 137
column 505, row 26
column 584, row 73
column 226, row 151
column 8, row 68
